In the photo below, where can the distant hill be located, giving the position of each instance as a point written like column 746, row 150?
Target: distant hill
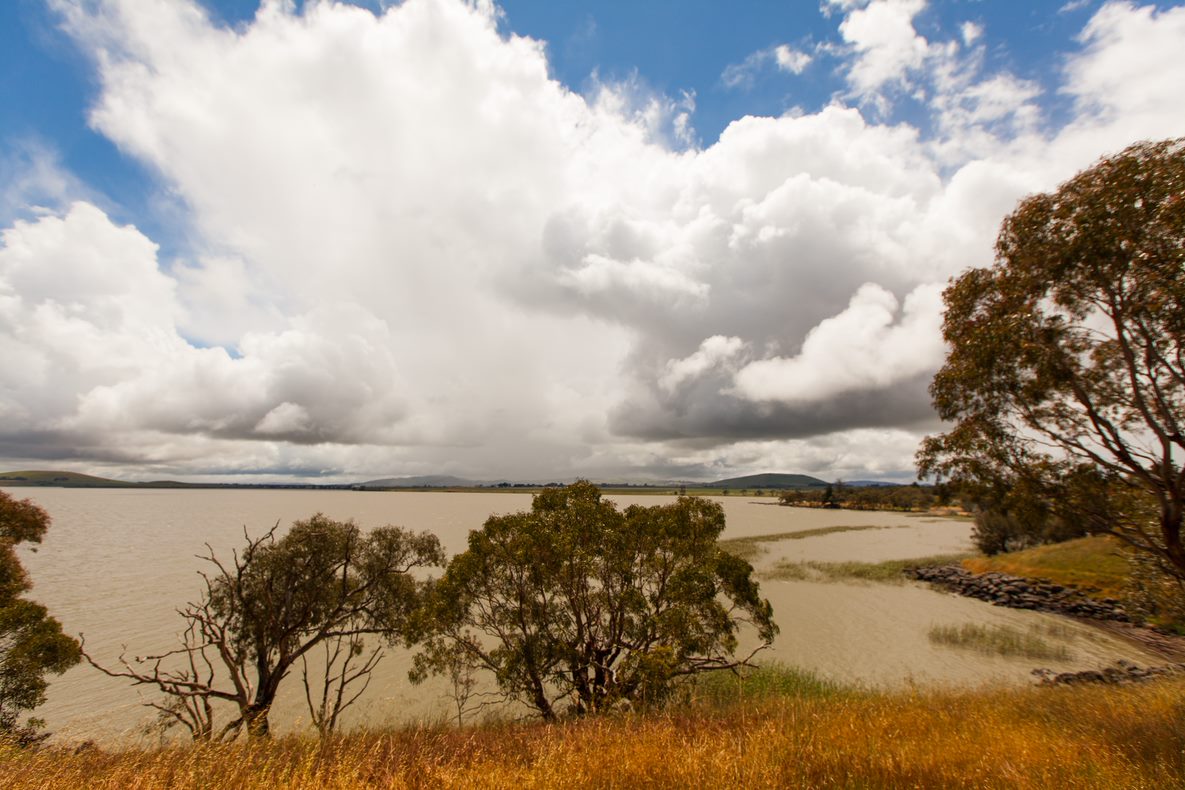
column 423, row 481
column 769, row 480
column 60, row 479
column 57, row 479
column 870, row 484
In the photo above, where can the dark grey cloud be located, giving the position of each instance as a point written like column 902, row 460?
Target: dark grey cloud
column 708, row 416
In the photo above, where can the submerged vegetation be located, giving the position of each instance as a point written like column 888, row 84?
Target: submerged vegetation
column 1000, row 640
column 888, row 571
column 749, row 548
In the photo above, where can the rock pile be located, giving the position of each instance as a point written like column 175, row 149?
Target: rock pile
column 1121, row 672
column 1016, row 592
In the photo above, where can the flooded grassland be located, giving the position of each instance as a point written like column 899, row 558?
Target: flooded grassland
column 117, row 564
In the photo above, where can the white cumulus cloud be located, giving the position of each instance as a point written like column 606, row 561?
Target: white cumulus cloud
column 886, row 45
column 867, row 346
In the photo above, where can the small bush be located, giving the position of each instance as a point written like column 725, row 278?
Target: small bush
column 1155, row 593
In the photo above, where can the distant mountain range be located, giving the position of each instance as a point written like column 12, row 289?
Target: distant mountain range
column 769, row 480
column 58, row 479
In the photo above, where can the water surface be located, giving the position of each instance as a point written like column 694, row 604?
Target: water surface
column 117, row 563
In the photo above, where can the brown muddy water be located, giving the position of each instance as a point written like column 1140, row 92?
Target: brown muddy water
column 116, row 564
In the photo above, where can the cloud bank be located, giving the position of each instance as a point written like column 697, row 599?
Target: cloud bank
column 411, row 250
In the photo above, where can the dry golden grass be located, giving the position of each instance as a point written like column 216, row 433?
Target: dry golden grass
column 1099, row 737
column 1097, row 562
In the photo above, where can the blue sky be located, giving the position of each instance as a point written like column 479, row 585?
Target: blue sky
column 669, row 46
column 320, row 241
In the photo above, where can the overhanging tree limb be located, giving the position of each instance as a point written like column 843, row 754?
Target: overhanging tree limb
column 278, row 599
column 1077, row 332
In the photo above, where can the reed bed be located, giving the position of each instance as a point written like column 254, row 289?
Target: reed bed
column 1097, row 737
column 999, row 640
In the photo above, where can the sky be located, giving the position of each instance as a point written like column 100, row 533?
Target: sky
column 326, row 241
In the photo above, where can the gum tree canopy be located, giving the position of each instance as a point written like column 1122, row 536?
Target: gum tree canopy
column 1066, row 369
column 31, row 641
column 576, row 606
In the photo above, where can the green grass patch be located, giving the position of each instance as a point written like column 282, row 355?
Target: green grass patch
column 1097, row 562
column 751, row 547
column 889, row 571
column 762, row 682
column 999, row 640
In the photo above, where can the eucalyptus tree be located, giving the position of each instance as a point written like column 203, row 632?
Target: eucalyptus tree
column 1066, row 370
column 576, row 606
column 324, row 582
column 32, row 644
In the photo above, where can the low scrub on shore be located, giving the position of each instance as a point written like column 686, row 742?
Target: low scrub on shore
column 780, row 730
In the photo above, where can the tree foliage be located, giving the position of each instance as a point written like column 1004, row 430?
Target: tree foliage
column 577, row 606
column 1066, row 371
column 323, row 583
column 32, row 644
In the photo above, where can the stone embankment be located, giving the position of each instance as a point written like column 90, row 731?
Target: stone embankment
column 1121, row 672
column 1042, row 595
column 1016, row 592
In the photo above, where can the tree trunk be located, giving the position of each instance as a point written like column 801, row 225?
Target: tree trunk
column 1170, row 530
column 255, row 719
column 542, row 704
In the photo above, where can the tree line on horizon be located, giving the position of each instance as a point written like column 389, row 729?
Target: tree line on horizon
column 904, row 498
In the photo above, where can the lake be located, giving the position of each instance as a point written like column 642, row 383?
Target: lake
column 117, row 563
